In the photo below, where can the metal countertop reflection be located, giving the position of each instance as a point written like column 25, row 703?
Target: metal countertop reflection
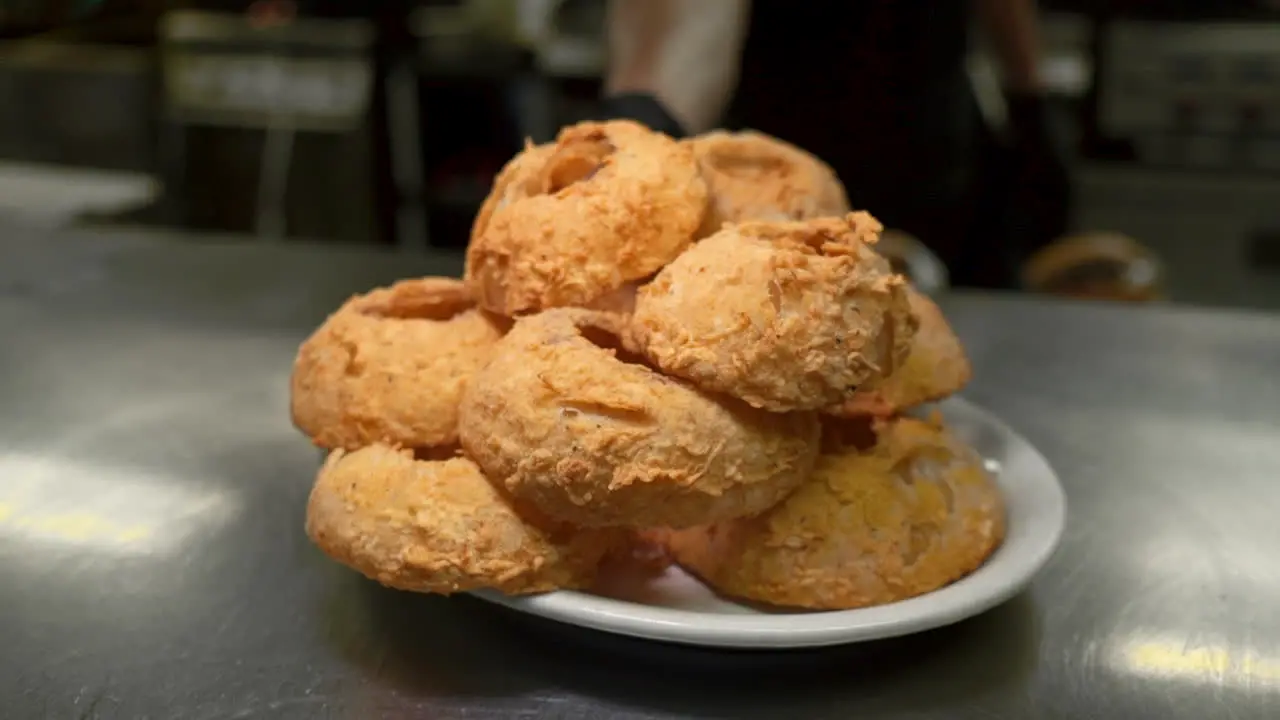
column 153, row 564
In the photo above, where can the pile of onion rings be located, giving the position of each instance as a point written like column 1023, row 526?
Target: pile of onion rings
column 661, row 351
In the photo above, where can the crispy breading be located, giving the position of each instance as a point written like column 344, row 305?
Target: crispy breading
column 913, row 513
column 784, row 315
column 567, row 223
column 588, row 435
column 390, row 366
column 936, row 367
column 439, row 526
column 753, row 176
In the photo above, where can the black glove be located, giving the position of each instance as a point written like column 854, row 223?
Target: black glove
column 642, row 108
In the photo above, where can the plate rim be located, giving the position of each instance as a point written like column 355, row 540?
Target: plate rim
column 975, row 593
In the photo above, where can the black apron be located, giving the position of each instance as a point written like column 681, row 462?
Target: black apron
column 878, row 89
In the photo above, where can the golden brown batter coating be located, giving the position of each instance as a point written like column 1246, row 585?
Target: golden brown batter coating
column 439, row 526
column 753, row 176
column 784, row 315
column 575, row 427
column 912, row 514
column 935, row 368
column 390, row 366
column 565, row 224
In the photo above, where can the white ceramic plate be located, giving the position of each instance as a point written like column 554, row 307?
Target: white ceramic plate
column 675, row 607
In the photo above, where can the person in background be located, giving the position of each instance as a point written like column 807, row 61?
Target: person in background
column 879, row 89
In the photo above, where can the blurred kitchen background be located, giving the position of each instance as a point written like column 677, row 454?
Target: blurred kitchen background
column 384, row 122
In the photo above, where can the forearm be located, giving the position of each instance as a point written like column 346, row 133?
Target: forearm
column 683, row 52
column 1013, row 30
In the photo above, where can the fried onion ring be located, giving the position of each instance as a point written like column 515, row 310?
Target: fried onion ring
column 439, row 526
column 566, row 224
column 910, row 515
column 784, row 315
column 390, row 366
column 935, row 368
column 753, row 176
column 588, row 435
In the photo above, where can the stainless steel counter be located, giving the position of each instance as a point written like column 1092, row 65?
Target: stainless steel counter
column 153, row 564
